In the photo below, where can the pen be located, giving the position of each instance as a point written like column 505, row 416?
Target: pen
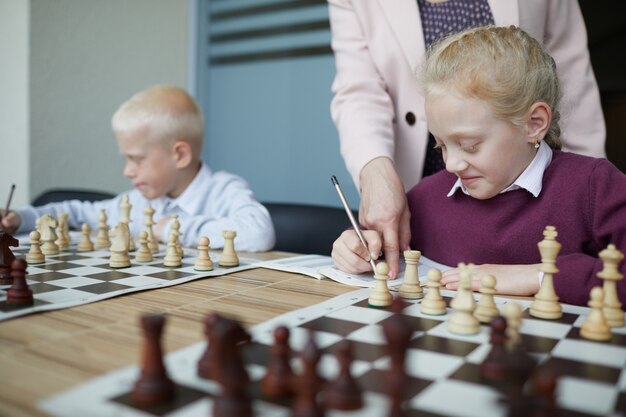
column 6, row 210
column 351, row 217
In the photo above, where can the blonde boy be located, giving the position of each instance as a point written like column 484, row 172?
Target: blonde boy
column 159, row 132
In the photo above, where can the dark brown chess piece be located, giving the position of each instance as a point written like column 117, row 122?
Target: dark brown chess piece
column 230, row 371
column 207, row 362
column 308, row 384
column 153, row 386
column 6, row 257
column 19, row 293
column 277, row 381
column 543, row 388
column 343, row 393
column 398, row 333
column 496, row 367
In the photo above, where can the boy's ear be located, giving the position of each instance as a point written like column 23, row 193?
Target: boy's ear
column 182, row 154
column 538, row 122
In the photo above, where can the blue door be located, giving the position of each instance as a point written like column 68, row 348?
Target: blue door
column 264, row 78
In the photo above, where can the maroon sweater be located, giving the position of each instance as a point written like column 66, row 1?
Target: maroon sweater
column 583, row 197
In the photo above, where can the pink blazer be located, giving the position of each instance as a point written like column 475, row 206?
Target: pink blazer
column 378, row 107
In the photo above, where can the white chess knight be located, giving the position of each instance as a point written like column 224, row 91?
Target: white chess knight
column 120, row 237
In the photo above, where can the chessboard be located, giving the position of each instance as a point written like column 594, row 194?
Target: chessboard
column 74, row 278
column 443, row 368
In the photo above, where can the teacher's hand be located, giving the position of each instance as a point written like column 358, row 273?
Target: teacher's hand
column 384, row 208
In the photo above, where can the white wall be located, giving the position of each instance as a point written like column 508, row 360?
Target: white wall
column 86, row 58
column 14, row 101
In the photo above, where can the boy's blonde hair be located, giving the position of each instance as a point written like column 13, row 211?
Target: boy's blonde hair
column 168, row 114
column 502, row 65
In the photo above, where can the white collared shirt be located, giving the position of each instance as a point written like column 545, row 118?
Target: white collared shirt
column 529, row 180
column 211, row 203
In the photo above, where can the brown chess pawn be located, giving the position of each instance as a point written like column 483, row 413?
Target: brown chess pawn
column 19, row 293
column 495, row 367
column 154, row 385
column 207, row 362
column 344, row 393
column 308, row 384
column 277, row 381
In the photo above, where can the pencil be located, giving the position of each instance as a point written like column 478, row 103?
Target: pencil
column 355, row 225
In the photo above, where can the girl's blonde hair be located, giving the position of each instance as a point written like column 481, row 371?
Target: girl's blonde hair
column 502, row 65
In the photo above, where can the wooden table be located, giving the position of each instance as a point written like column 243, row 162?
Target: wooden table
column 46, row 353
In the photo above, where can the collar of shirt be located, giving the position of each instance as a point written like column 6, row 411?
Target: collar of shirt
column 188, row 201
column 529, row 180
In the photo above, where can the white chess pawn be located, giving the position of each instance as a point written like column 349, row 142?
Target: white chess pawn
column 410, row 287
column 462, row 320
column 85, row 244
column 513, row 315
column 380, row 295
column 433, row 303
column 486, row 308
column 172, row 258
column 203, row 261
column 35, row 256
column 229, row 256
column 596, row 326
column 143, row 253
column 102, row 238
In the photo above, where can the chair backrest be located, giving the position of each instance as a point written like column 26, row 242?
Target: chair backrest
column 62, row 194
column 307, row 229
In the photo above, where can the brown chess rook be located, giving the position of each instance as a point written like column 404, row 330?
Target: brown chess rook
column 154, row 385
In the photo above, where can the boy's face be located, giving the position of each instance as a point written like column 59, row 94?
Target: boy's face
column 486, row 153
column 150, row 166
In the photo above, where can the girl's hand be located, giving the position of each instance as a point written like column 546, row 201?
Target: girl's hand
column 510, row 279
column 349, row 254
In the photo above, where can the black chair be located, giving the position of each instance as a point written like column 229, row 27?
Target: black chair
column 62, row 194
column 307, row 229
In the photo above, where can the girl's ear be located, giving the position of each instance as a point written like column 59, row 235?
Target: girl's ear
column 538, row 122
column 182, row 154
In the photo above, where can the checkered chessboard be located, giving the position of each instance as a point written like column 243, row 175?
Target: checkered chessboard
column 73, row 278
column 443, row 368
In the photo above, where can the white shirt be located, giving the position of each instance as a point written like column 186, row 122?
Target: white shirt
column 211, row 203
column 530, row 179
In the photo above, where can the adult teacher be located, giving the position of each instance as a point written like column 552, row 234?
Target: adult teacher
column 378, row 106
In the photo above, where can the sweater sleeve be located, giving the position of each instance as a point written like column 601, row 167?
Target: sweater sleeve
column 607, row 224
column 79, row 212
